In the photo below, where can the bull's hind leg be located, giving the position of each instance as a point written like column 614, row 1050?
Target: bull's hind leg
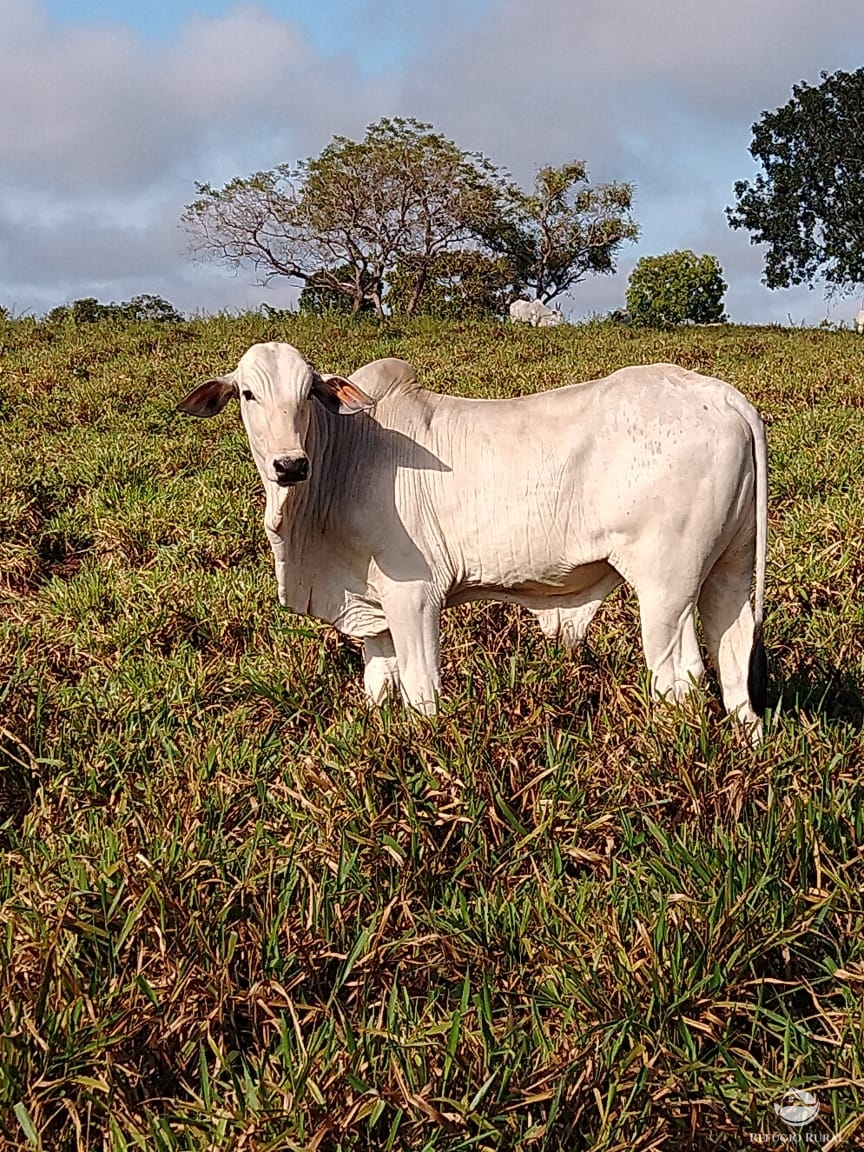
column 669, row 638
column 381, row 669
column 727, row 621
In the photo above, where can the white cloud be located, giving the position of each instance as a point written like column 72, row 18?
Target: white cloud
column 663, row 94
column 98, row 111
column 110, row 133
column 105, row 132
column 536, row 80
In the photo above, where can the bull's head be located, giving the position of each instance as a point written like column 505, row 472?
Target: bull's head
column 276, row 389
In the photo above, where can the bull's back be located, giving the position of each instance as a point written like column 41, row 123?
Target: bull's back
column 527, row 490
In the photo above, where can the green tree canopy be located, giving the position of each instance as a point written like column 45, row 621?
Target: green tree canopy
column 88, row 310
column 403, row 195
column 678, row 286
column 563, row 230
column 406, row 209
column 461, row 284
column 807, row 204
column 319, row 296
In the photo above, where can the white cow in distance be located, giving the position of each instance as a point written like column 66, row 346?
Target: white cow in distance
column 535, row 313
column 386, row 503
column 859, row 321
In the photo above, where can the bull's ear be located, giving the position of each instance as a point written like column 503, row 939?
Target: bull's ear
column 340, row 395
column 209, row 398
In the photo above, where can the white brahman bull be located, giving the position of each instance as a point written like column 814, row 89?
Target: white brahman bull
column 386, row 503
column 535, row 313
column 859, row 321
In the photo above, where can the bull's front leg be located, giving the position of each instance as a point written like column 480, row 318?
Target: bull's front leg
column 381, row 668
column 413, row 611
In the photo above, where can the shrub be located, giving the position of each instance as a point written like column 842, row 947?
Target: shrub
column 89, row 311
column 678, row 286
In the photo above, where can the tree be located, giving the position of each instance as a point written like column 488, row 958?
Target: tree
column 807, row 204
column 85, row 311
column 147, row 307
column 678, row 286
column 406, row 206
column 250, row 221
column 461, row 284
column 89, row 311
column 403, row 195
column 563, row 230
column 319, row 296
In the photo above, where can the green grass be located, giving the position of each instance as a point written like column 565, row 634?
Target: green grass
column 238, row 910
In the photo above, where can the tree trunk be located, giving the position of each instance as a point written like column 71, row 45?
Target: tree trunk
column 419, row 285
column 359, row 293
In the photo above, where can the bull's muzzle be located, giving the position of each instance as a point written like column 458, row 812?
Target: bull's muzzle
column 290, row 470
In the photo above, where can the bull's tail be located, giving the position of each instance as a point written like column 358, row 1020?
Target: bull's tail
column 757, row 673
column 757, row 670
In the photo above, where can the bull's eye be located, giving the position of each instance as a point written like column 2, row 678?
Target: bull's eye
column 247, row 395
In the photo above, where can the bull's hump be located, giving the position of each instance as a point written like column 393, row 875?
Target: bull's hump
column 382, row 377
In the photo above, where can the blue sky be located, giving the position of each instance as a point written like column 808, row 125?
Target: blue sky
column 156, row 19
column 359, row 28
column 114, row 110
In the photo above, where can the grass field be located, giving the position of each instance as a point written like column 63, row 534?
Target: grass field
column 241, row 911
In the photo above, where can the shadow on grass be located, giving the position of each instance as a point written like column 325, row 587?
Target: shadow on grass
column 18, row 784
column 819, row 690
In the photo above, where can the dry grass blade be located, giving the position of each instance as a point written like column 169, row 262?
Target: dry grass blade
column 238, row 910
